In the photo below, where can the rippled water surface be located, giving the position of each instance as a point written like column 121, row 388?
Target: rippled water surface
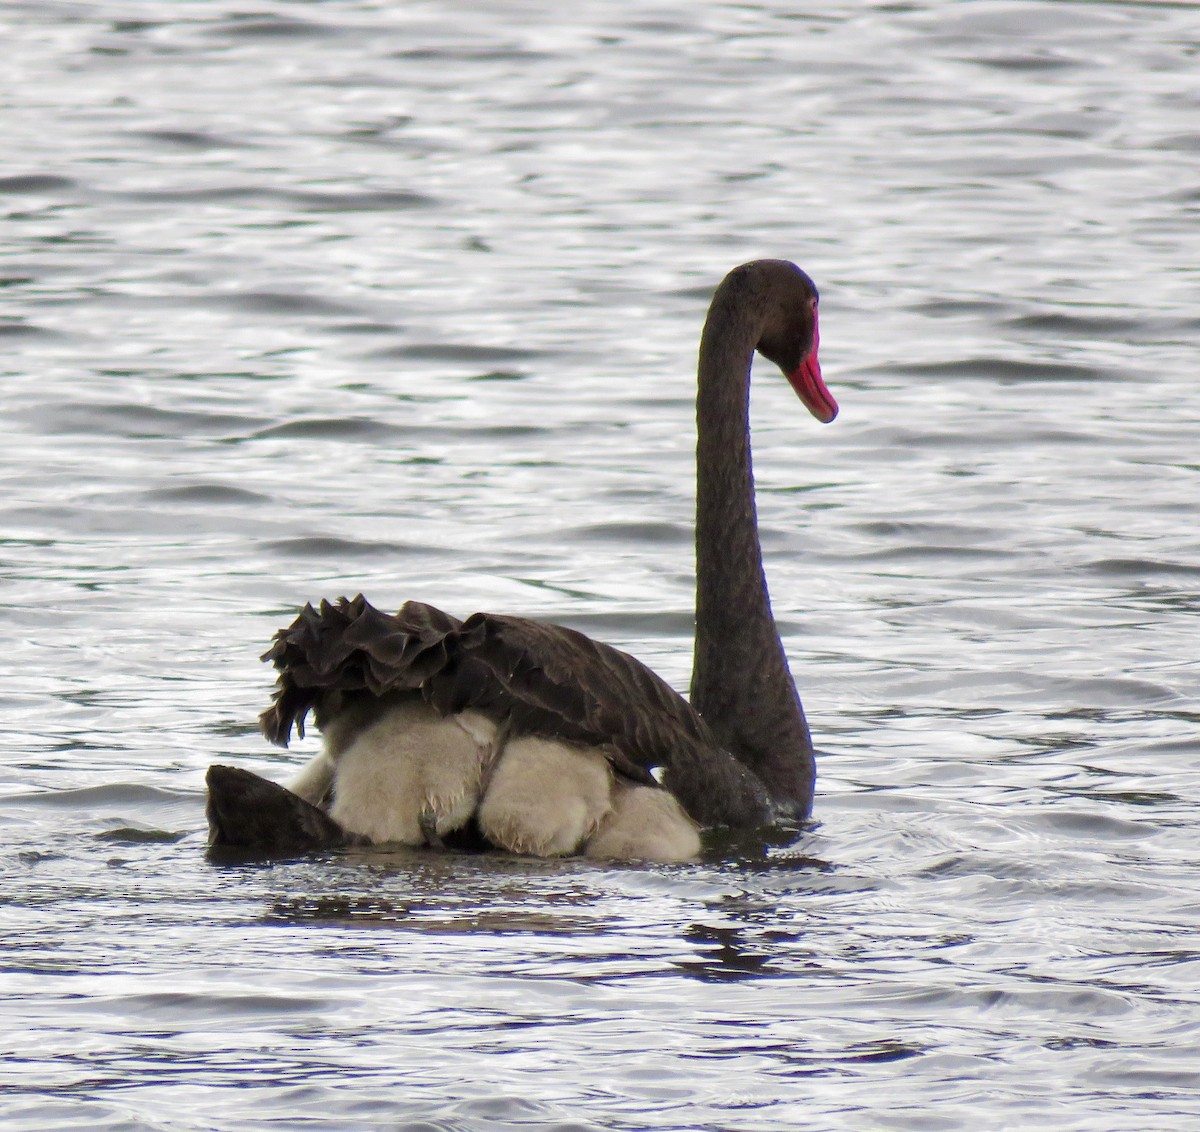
column 302, row 299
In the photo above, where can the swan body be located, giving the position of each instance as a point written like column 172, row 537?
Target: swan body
column 537, row 738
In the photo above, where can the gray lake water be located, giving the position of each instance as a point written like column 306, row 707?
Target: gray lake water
column 302, row 299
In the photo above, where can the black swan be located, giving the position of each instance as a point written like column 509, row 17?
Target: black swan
column 532, row 737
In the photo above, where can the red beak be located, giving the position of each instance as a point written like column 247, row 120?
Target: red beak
column 807, row 382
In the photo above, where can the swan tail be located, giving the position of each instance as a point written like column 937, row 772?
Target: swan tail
column 253, row 814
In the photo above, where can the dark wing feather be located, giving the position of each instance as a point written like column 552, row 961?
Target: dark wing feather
column 544, row 679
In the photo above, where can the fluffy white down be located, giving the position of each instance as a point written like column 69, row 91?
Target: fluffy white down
column 407, row 761
column 545, row 797
column 315, row 780
column 645, row 824
column 386, row 763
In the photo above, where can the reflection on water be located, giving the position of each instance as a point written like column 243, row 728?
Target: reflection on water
column 404, row 300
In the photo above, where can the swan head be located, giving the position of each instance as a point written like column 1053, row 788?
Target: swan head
column 790, row 335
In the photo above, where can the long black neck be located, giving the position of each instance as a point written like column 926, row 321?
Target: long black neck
column 740, row 679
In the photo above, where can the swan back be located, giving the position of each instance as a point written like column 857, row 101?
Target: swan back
column 533, row 677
